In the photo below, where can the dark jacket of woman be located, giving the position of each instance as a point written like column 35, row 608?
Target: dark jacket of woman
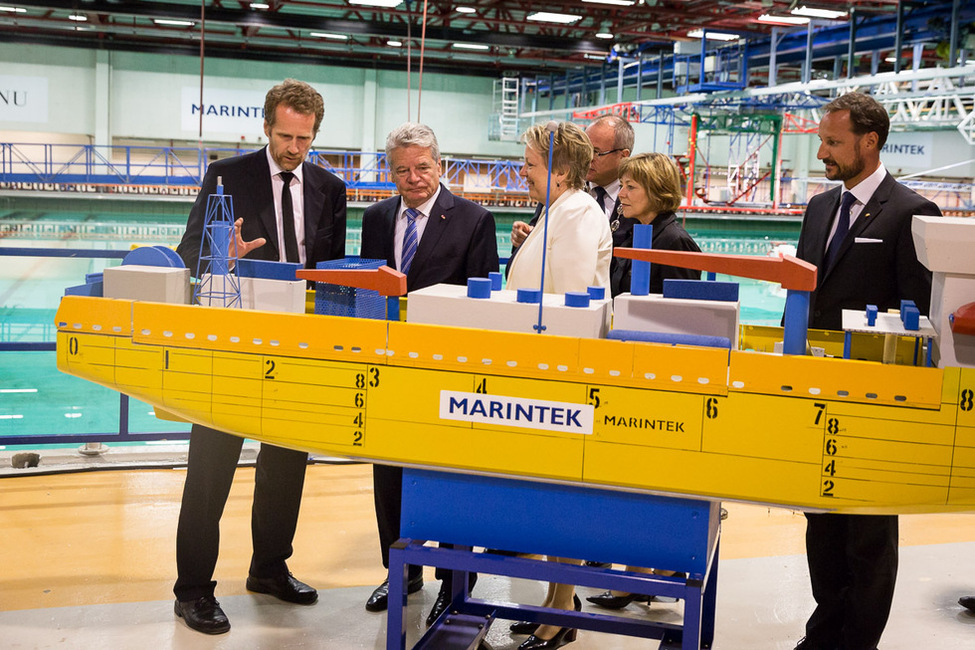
column 668, row 234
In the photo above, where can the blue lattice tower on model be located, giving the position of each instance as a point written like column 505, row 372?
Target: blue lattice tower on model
column 218, row 284
column 339, row 300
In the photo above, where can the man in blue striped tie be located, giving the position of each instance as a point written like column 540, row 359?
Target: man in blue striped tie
column 433, row 237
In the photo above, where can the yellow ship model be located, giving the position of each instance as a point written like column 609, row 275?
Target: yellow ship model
column 818, row 433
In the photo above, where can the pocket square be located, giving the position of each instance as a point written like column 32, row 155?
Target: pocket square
column 867, row 240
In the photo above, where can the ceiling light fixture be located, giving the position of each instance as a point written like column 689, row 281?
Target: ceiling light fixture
column 470, row 46
column 78, row 18
column 260, row 5
column 466, row 10
column 334, row 37
column 173, row 23
column 385, row 4
column 394, row 43
column 783, row 20
column 548, row 17
column 605, row 35
column 618, row 3
column 13, row 10
column 813, row 12
column 714, row 36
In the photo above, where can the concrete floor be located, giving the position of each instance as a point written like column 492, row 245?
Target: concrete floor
column 88, row 562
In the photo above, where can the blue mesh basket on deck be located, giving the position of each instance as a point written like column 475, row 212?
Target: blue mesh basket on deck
column 337, row 300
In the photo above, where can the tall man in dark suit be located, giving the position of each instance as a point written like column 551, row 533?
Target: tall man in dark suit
column 859, row 235
column 287, row 210
column 433, row 237
column 612, row 141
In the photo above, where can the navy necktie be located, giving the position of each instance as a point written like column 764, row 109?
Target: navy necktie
column 288, row 219
column 409, row 241
column 842, row 228
column 601, row 198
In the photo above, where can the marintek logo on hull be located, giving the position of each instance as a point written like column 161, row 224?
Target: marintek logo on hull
column 566, row 417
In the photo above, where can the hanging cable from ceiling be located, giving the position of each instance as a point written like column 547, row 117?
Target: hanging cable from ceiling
column 423, row 42
column 203, row 16
column 409, row 58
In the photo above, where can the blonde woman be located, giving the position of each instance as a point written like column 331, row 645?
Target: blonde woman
column 580, row 243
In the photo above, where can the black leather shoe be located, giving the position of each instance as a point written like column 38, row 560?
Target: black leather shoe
column 968, row 602
column 563, row 636
column 203, row 615
column 379, row 600
column 439, row 605
column 609, row 601
column 284, row 586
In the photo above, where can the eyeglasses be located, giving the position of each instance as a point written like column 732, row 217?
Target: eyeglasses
column 600, row 154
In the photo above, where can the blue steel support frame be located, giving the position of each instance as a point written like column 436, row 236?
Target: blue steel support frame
column 824, row 41
column 633, row 529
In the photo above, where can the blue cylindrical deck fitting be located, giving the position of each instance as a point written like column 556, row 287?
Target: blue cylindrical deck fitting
column 221, row 234
column 577, row 299
column 640, row 271
column 796, row 321
column 479, row 288
column 531, row 296
column 495, row 277
column 597, row 293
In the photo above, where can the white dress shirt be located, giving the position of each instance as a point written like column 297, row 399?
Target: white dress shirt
column 297, row 204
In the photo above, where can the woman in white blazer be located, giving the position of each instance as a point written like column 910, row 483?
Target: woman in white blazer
column 578, row 251
column 580, row 243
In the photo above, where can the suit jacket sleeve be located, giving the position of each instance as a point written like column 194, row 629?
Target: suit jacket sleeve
column 247, row 181
column 661, row 272
column 817, row 210
column 339, row 206
column 330, row 223
column 189, row 245
column 482, row 254
column 913, row 279
column 377, row 232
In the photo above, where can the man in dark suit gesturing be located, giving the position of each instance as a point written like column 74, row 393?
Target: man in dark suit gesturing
column 859, row 235
column 433, row 237
column 287, row 210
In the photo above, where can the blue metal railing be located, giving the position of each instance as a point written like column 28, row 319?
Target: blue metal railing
column 39, row 163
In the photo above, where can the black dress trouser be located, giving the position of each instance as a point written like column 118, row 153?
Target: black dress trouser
column 278, row 481
column 853, row 568
column 387, row 482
